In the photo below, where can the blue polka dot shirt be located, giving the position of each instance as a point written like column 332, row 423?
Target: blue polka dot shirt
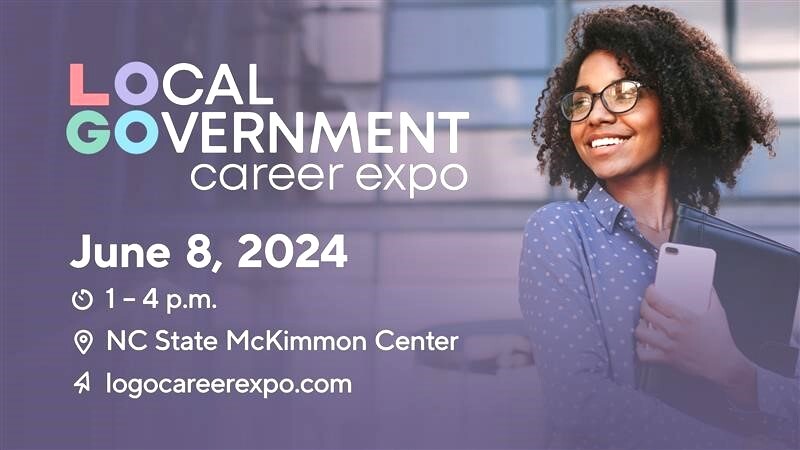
column 583, row 272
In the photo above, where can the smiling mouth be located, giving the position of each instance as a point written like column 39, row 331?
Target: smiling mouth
column 607, row 142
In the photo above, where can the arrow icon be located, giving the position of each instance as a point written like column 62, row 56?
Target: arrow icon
column 82, row 383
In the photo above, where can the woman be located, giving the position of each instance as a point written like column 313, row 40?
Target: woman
column 643, row 112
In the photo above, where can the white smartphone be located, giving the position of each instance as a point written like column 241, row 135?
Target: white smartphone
column 685, row 275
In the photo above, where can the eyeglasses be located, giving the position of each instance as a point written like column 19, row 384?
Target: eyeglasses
column 618, row 97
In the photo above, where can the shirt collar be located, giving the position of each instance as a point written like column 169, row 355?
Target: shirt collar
column 606, row 209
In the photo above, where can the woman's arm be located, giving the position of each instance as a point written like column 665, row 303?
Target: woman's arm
column 778, row 395
column 701, row 344
column 769, row 400
column 571, row 356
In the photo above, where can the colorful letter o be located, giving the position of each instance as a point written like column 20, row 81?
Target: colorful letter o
column 121, row 135
column 150, row 86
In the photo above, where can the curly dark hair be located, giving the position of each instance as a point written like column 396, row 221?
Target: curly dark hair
column 710, row 116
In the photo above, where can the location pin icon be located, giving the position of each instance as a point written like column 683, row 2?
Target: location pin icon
column 83, row 340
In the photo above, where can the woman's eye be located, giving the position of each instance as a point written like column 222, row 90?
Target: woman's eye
column 622, row 93
column 580, row 104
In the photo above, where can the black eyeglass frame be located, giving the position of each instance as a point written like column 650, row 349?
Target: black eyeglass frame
column 602, row 99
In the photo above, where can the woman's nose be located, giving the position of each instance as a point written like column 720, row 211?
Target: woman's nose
column 599, row 114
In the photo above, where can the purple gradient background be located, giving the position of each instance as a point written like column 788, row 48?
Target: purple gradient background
column 51, row 195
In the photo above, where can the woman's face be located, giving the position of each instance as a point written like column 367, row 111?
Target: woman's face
column 640, row 128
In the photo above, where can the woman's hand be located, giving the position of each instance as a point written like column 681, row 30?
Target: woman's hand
column 695, row 343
